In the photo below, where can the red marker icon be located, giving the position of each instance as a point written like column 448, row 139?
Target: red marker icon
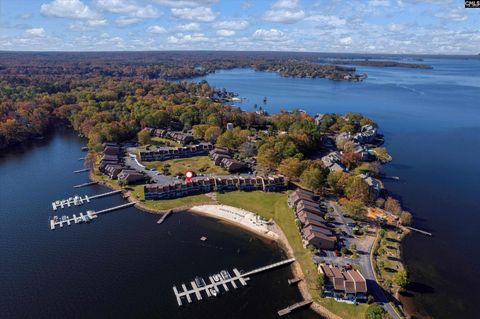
column 188, row 176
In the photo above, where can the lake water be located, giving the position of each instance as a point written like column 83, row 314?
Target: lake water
column 122, row 265
column 431, row 122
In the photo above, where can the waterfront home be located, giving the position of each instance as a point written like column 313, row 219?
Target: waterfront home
column 201, row 185
column 166, row 153
column 233, row 166
column 300, row 194
column 374, row 184
column 112, row 150
column 305, row 216
column 343, row 284
column 104, row 164
column 112, row 170
column 130, row 176
column 367, row 134
column 179, row 137
column 333, row 161
column 318, row 239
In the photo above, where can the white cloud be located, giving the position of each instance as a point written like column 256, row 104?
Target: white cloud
column 201, row 14
column 87, row 25
column 269, row 35
column 396, row 27
column 231, row 25
column 125, row 20
column 346, row 40
column 452, row 15
column 130, row 8
column 379, row 3
column 156, row 29
column 73, row 9
column 329, row 20
column 192, row 26
column 187, row 38
column 36, row 32
column 286, row 11
column 186, row 3
column 225, row 33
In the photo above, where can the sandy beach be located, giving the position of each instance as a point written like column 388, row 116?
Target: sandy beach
column 239, row 217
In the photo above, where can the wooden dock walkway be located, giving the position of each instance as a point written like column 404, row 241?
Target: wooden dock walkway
column 164, row 216
column 294, row 307
column 265, row 268
column 82, row 170
column 420, row 231
column 294, row 281
column 111, row 209
column 85, row 184
column 106, row 194
column 223, row 281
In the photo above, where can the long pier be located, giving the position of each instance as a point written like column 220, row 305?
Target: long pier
column 78, row 200
column 82, row 170
column 420, row 231
column 265, row 268
column 294, row 307
column 85, row 184
column 219, row 282
column 164, row 216
column 83, row 218
column 111, row 209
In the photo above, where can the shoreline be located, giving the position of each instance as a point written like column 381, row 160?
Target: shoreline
column 281, row 239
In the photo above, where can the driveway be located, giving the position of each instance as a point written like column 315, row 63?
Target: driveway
column 132, row 162
column 364, row 248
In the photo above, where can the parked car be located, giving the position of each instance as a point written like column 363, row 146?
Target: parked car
column 337, row 253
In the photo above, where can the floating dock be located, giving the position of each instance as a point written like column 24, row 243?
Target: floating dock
column 83, row 218
column 219, row 282
column 78, row 200
column 294, row 307
column 75, row 201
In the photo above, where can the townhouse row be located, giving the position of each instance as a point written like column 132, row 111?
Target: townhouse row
column 202, row 185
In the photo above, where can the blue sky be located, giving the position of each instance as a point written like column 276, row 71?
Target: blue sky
column 371, row 26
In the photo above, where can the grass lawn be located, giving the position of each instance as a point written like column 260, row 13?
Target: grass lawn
column 274, row 205
column 160, row 141
column 197, row 164
column 388, row 259
column 167, row 204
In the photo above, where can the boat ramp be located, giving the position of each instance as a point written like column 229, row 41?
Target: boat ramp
column 219, row 282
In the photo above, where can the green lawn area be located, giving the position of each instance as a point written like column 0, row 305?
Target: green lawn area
column 274, row 205
column 167, row 204
column 388, row 258
column 197, row 164
column 160, row 141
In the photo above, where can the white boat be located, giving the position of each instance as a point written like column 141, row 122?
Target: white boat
column 216, row 278
column 213, row 292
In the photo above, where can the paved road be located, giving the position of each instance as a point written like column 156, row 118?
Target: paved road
column 364, row 248
column 154, row 175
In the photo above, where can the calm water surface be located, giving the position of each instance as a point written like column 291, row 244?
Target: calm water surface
column 431, row 123
column 122, row 265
